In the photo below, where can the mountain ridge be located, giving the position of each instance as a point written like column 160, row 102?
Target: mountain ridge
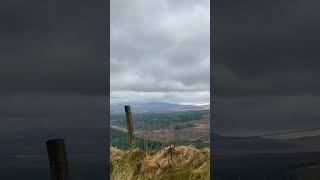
column 155, row 106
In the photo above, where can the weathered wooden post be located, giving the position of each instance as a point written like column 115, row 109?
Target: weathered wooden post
column 58, row 159
column 129, row 124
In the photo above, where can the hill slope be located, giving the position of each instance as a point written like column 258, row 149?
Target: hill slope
column 181, row 162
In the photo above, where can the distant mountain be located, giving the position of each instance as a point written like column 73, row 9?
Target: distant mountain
column 153, row 106
column 205, row 107
column 228, row 146
column 308, row 143
column 250, row 144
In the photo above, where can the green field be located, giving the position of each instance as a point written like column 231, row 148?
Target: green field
column 159, row 119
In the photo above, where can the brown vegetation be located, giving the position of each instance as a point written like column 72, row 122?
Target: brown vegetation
column 181, row 162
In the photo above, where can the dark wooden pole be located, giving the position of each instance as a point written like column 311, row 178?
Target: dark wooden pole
column 129, row 124
column 58, row 159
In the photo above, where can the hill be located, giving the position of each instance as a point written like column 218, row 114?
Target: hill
column 308, row 143
column 154, row 107
column 225, row 146
column 262, row 158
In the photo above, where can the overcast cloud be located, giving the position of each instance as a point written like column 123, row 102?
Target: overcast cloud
column 266, row 65
column 53, row 64
column 160, row 51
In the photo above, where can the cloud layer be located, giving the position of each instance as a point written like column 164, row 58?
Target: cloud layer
column 53, row 70
column 160, row 48
column 266, row 64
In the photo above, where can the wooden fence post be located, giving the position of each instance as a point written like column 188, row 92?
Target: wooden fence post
column 58, row 159
column 129, row 124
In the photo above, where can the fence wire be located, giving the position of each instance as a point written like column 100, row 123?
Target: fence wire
column 157, row 130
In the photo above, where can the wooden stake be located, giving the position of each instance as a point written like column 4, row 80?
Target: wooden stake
column 58, row 159
column 129, row 124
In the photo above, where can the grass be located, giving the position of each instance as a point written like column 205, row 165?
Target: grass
column 169, row 163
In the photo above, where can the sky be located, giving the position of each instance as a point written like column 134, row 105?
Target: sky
column 53, row 69
column 266, row 65
column 160, row 51
column 53, row 64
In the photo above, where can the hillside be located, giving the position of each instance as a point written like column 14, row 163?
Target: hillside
column 308, row 143
column 229, row 146
column 181, row 162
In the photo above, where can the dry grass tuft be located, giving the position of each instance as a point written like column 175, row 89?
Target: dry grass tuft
column 181, row 162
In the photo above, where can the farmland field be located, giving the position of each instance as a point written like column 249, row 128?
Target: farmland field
column 189, row 127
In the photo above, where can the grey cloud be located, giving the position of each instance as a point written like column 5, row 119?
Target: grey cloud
column 53, row 70
column 53, row 46
column 56, row 110
column 254, row 38
column 266, row 64
column 267, row 113
column 155, row 47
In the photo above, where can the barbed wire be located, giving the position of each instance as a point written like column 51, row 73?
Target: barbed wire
column 156, row 132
